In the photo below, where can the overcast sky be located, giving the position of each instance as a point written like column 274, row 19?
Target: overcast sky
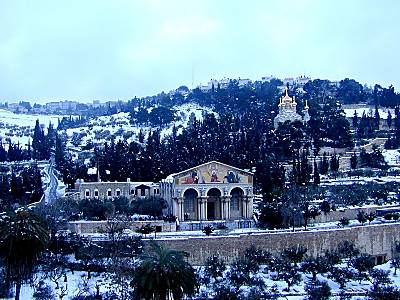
column 107, row 50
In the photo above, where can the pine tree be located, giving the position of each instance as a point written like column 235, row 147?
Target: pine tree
column 355, row 120
column 389, row 119
column 353, row 161
column 317, row 179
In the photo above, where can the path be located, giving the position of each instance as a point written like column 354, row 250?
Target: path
column 53, row 184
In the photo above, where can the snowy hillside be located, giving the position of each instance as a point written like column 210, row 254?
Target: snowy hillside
column 19, row 127
column 383, row 112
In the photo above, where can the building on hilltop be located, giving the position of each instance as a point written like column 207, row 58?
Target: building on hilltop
column 211, row 191
column 287, row 111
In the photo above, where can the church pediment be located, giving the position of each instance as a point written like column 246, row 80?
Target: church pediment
column 213, row 172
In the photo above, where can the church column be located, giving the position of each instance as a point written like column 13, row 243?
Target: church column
column 180, row 209
column 227, row 213
column 204, row 204
column 250, row 207
column 199, row 209
column 223, row 205
column 244, row 206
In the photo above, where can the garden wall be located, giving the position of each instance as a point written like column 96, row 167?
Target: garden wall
column 349, row 213
column 376, row 240
column 87, row 227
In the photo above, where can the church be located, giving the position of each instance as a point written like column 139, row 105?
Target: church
column 211, row 191
column 287, row 111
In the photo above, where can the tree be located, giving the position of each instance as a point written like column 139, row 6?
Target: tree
column 287, row 272
column 380, row 277
column 384, row 293
column 370, row 217
column 344, row 222
column 43, row 292
column 389, row 119
column 318, row 290
column 314, row 266
column 164, row 274
column 362, row 263
column 317, row 179
column 395, row 263
column 334, row 163
column 294, row 254
column 23, row 237
column 355, row 120
column 341, row 276
column 353, row 161
column 361, row 217
column 347, row 249
column 214, row 267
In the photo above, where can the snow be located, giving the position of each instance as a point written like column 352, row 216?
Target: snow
column 392, row 157
column 100, row 129
column 369, row 111
column 19, row 127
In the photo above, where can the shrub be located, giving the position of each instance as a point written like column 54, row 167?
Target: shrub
column 214, row 267
column 388, row 216
column 344, row 222
column 208, row 229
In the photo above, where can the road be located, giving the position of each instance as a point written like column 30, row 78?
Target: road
column 53, row 183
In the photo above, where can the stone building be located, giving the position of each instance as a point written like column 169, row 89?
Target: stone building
column 104, row 190
column 287, row 111
column 211, row 191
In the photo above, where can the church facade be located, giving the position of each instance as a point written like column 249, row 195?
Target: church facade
column 211, row 191
column 287, row 111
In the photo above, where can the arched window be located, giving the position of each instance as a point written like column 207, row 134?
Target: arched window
column 109, row 193
column 237, row 196
column 118, row 192
column 87, row 193
column 96, row 193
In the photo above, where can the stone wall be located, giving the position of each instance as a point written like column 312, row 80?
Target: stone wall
column 88, row 227
column 374, row 239
column 349, row 213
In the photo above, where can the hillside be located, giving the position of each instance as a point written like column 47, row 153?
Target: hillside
column 19, row 127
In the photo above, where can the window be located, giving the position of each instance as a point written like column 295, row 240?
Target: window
column 87, row 193
column 235, row 203
column 96, row 193
column 118, row 192
column 109, row 193
column 189, row 205
column 132, row 192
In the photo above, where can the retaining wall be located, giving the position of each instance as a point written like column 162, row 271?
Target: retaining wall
column 376, row 240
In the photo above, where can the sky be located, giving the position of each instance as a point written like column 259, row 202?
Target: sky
column 108, row 50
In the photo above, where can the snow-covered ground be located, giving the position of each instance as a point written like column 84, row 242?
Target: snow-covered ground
column 383, row 112
column 19, row 127
column 392, row 157
column 77, row 283
column 100, row 129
